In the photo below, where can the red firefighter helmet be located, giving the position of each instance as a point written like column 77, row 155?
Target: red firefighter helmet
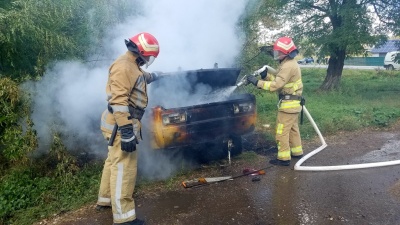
column 146, row 46
column 284, row 46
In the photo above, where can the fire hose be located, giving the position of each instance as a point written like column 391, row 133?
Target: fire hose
column 298, row 166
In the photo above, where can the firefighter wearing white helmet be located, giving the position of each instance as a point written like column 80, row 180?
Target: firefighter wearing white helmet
column 287, row 83
column 126, row 91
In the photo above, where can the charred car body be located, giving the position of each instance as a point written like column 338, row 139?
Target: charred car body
column 197, row 107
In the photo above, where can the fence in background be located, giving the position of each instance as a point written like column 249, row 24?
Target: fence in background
column 364, row 61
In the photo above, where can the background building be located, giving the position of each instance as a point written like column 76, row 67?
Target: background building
column 388, row 46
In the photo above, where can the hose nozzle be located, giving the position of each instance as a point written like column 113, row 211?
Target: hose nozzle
column 244, row 81
column 241, row 83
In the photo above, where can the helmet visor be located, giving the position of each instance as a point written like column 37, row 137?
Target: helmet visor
column 278, row 55
column 149, row 60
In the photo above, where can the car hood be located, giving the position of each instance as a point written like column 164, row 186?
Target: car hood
column 185, row 88
column 215, row 78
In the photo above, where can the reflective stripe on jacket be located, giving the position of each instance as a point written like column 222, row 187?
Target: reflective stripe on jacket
column 286, row 82
column 126, row 86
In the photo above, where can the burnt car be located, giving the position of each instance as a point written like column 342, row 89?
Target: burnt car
column 200, row 108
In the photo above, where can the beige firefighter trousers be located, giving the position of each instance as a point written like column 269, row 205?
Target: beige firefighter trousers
column 288, row 136
column 118, row 181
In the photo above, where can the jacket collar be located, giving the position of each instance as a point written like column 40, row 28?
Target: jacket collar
column 131, row 56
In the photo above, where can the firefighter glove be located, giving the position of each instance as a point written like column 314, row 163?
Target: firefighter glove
column 128, row 138
column 264, row 73
column 156, row 75
column 252, row 79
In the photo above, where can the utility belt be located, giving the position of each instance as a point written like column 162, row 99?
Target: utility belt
column 135, row 113
column 290, row 97
column 294, row 97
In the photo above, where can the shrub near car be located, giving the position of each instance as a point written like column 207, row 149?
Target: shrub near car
column 198, row 107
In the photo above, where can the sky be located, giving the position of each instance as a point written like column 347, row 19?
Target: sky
column 71, row 96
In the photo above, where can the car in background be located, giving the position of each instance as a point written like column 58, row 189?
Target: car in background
column 306, row 60
column 392, row 61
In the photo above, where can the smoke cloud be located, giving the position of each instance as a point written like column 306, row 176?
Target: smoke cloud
column 192, row 35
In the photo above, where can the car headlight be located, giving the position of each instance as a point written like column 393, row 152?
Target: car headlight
column 174, row 118
column 243, row 107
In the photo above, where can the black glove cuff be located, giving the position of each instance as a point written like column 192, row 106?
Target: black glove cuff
column 126, row 127
column 127, row 131
column 253, row 80
column 264, row 74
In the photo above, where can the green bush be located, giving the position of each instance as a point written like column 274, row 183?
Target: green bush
column 20, row 190
column 17, row 138
column 30, row 191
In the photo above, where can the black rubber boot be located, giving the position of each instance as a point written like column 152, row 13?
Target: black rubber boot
column 279, row 162
column 133, row 222
column 297, row 156
column 102, row 207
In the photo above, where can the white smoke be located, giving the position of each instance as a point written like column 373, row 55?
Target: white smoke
column 192, row 35
column 69, row 100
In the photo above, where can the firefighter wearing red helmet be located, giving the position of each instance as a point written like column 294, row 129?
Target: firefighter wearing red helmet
column 288, row 84
column 126, row 91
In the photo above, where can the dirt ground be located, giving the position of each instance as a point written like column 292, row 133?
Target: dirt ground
column 283, row 195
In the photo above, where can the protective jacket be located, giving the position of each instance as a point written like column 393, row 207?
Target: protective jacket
column 286, row 83
column 126, row 91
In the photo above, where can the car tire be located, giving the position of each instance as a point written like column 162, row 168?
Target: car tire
column 217, row 150
column 210, row 151
column 390, row 67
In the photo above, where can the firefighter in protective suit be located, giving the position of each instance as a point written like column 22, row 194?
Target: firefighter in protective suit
column 287, row 83
column 120, row 124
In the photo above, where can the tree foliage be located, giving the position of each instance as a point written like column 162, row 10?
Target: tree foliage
column 34, row 33
column 253, row 54
column 339, row 28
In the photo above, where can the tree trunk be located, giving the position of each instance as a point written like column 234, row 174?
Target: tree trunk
column 334, row 71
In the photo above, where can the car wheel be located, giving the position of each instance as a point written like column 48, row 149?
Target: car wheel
column 390, row 67
column 218, row 150
column 210, row 151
